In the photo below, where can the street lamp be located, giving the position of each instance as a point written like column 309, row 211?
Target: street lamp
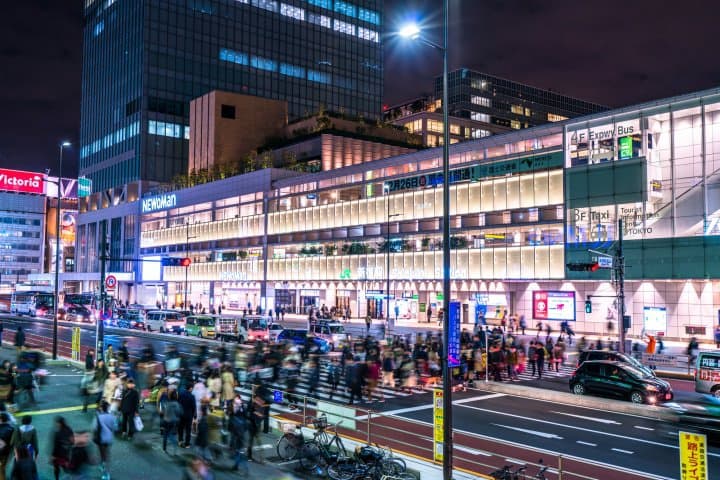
column 57, row 251
column 188, row 237
column 412, row 31
column 386, row 190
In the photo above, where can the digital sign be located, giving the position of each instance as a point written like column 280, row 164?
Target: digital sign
column 655, row 319
column 553, row 305
column 22, row 182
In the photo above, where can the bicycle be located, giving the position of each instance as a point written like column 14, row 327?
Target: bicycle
column 289, row 445
column 319, row 449
column 368, row 462
column 506, row 473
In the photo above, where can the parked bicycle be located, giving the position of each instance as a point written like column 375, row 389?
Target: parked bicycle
column 291, row 443
column 320, row 448
column 368, row 463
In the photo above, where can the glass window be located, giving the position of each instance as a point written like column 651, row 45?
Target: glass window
column 368, row 34
column 369, row 16
column 292, row 11
column 482, row 101
column 292, row 70
column 321, row 20
column 343, row 27
column 345, row 8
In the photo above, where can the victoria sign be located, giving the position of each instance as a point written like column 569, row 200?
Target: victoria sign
column 24, row 182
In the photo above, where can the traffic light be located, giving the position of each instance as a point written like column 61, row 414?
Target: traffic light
column 588, row 306
column 583, row 267
column 176, row 262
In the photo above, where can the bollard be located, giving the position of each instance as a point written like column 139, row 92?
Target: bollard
column 560, row 467
column 369, row 421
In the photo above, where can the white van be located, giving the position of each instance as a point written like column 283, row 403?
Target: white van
column 707, row 373
column 165, row 321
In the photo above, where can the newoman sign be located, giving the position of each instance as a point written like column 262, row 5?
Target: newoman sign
column 23, row 182
column 159, row 202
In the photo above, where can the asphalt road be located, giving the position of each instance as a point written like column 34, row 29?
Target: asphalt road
column 615, row 439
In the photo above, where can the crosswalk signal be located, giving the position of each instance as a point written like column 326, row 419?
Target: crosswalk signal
column 185, row 262
column 588, row 306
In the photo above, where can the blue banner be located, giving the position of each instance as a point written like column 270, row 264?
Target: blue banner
column 453, row 354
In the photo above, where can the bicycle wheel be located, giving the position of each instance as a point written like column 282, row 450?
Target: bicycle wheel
column 342, row 470
column 310, row 455
column 287, row 447
column 392, row 466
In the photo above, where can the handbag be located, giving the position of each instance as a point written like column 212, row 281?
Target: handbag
column 138, row 423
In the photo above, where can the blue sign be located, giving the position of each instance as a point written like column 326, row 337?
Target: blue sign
column 277, row 396
column 453, row 354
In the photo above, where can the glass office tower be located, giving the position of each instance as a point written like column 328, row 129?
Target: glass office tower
column 497, row 101
column 144, row 60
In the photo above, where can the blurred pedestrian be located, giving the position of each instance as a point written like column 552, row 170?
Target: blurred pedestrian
column 25, row 436
column 189, row 412
column 129, row 407
column 19, row 339
column 90, row 360
column 104, row 434
column 197, row 469
column 62, row 442
column 24, row 468
column 6, row 435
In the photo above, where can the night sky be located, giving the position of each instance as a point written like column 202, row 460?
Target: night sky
column 612, row 52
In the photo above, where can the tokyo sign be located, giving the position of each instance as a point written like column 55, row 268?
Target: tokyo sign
column 24, row 182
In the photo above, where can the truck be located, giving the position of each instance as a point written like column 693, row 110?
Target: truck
column 230, row 329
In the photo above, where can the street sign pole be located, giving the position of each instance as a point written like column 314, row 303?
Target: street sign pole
column 619, row 262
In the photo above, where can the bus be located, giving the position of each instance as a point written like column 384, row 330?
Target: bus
column 89, row 300
column 33, row 303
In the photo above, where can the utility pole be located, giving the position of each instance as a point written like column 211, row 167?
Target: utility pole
column 619, row 262
column 100, row 321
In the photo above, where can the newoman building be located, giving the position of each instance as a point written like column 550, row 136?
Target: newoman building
column 524, row 205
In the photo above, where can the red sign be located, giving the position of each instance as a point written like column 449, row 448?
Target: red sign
column 25, row 182
column 110, row 282
column 553, row 305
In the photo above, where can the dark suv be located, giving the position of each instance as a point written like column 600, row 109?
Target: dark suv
column 297, row 337
column 613, row 357
column 621, row 380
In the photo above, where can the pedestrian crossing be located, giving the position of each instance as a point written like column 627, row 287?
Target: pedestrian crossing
column 526, row 374
column 323, row 391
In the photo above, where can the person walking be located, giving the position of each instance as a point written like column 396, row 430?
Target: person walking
column 237, row 425
column 103, row 435
column 523, row 324
column 90, row 360
column 540, row 355
column 25, row 436
column 333, row 376
column 189, row 413
column 19, row 339
column 62, row 443
column 129, row 406
column 532, row 357
column 368, row 323
column 2, row 327
column 429, row 314
column 172, row 412
column 24, row 467
column 6, row 435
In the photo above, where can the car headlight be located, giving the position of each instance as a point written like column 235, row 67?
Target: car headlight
column 651, row 388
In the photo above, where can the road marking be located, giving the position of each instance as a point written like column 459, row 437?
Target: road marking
column 645, row 428
column 55, row 410
column 572, row 427
column 73, row 375
column 601, row 420
column 622, row 451
column 531, row 432
column 427, row 407
column 587, row 443
column 478, row 398
column 471, row 451
column 510, row 460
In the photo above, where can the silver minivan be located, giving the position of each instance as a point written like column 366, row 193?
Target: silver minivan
column 165, row 321
column 333, row 332
column 707, row 373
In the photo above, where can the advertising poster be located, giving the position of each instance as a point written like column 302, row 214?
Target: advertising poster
column 693, row 456
column 553, row 305
column 655, row 319
column 453, row 354
column 438, row 420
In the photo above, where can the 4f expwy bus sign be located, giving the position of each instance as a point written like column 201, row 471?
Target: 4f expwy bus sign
column 23, row 182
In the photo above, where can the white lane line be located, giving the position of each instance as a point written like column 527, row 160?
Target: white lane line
column 592, row 419
column 622, row 451
column 481, row 397
column 587, row 443
column 572, row 427
column 471, row 451
column 427, row 407
column 645, row 428
column 510, row 460
column 531, row 432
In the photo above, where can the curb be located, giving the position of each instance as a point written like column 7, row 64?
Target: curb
column 675, row 375
column 617, row 406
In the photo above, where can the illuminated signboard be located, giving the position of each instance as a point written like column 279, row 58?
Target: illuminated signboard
column 655, row 319
column 159, row 202
column 23, row 182
column 553, row 305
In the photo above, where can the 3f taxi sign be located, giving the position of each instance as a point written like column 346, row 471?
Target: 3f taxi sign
column 693, row 456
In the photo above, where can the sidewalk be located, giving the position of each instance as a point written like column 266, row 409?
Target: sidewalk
column 141, row 458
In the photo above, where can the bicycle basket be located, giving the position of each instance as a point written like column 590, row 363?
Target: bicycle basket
column 288, row 427
column 320, row 423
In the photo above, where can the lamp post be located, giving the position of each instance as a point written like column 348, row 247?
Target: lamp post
column 413, row 31
column 188, row 237
column 387, row 253
column 57, row 251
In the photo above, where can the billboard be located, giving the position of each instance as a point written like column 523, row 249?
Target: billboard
column 553, row 305
column 655, row 319
column 23, row 182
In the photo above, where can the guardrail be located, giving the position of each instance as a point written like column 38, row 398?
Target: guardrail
column 40, row 342
column 474, row 454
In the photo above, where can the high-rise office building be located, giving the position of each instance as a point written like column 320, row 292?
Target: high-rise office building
column 497, row 101
column 144, row 60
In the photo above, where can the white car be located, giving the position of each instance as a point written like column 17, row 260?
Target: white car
column 274, row 330
column 165, row 321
